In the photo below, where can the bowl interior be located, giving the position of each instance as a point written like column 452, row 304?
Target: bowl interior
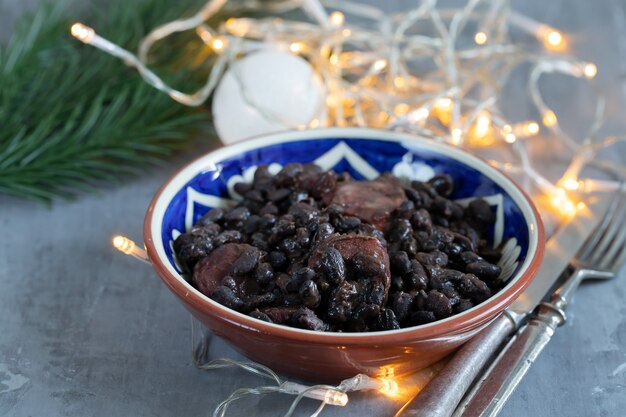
column 208, row 182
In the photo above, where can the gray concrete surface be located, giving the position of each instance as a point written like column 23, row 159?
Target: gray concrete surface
column 86, row 331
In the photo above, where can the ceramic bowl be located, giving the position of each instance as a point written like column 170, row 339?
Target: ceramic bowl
column 365, row 153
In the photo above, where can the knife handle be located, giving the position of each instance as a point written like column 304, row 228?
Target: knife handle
column 512, row 364
column 490, row 394
column 442, row 394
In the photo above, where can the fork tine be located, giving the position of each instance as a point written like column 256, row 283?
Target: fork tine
column 604, row 250
column 610, row 260
column 590, row 245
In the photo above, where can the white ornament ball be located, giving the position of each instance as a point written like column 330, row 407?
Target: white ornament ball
column 278, row 91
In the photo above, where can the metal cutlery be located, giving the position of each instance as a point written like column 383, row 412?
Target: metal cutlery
column 442, row 395
column 601, row 257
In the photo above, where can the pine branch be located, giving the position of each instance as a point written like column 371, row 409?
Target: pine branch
column 73, row 117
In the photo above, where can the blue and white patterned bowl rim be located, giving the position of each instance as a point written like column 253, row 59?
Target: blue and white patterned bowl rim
column 365, row 153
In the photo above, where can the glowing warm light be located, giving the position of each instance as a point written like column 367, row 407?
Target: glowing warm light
column 554, row 38
column 389, row 387
column 480, row 38
column 82, row 33
column 507, row 129
column 401, row 109
column 443, row 110
column 217, row 44
column 379, row 65
column 562, row 203
column 570, row 184
column 296, row 47
column 346, row 32
column 334, row 59
column 532, row 128
column 123, row 244
column 590, row 70
column 549, row 118
column 237, row 27
column 580, row 205
column 482, row 125
column 399, row 82
column 334, row 397
column 128, row 247
column 456, row 135
column 419, row 114
column 314, row 123
column 510, row 138
column 337, row 19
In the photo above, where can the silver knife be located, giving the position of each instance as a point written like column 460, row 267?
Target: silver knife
column 442, row 395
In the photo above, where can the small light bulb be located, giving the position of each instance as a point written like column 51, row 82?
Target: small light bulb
column 507, row 129
column 399, row 82
column 570, row 184
column 401, row 109
column 334, row 397
column 346, row 32
column 532, row 128
column 389, row 387
column 337, row 19
column 554, row 38
column 549, row 118
column 123, row 244
column 296, row 47
column 217, row 44
column 83, row 33
column 379, row 65
column 510, row 138
column 419, row 115
column 480, row 38
column 590, row 70
column 482, row 125
column 456, row 135
column 442, row 110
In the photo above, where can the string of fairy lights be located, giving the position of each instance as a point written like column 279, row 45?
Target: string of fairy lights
column 417, row 71
column 412, row 71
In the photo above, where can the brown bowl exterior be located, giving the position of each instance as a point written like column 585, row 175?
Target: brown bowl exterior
column 330, row 357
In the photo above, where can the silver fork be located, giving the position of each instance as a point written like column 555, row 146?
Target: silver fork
column 601, row 257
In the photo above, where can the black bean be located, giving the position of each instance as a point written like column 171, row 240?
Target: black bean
column 212, row 216
column 299, row 277
column 397, row 283
column 387, row 320
column 400, row 263
column 401, row 305
column 484, row 270
column 333, row 265
column 260, row 300
column 463, row 305
column 242, row 188
column 366, row 266
column 421, row 220
column 252, row 224
column 341, row 302
column 260, row 315
column 325, row 185
column 264, row 273
column 346, row 224
column 269, row 208
column 475, row 289
column 228, row 298
column 254, row 195
column 421, row 317
column 278, row 194
column 228, row 236
column 309, row 294
column 375, row 293
column 246, row 262
column 480, row 211
column 439, row 304
column 442, row 184
column 190, row 248
column 424, row 187
column 306, row 318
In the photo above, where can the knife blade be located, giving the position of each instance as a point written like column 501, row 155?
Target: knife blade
column 442, row 395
